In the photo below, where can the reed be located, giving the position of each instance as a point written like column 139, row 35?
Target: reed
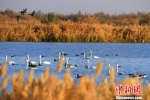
column 4, row 82
column 30, row 77
column 3, row 68
column 59, row 66
column 49, row 87
column 99, row 69
column 68, row 31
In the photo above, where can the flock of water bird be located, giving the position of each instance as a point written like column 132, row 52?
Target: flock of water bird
column 34, row 65
column 23, row 12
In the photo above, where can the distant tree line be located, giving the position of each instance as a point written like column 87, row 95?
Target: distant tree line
column 140, row 18
column 53, row 27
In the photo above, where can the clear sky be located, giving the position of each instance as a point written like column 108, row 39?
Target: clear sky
column 73, row 6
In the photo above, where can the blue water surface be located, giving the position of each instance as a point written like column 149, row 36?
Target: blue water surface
column 133, row 58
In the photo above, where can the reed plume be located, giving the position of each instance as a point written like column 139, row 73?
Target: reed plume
column 3, row 68
column 20, row 76
column 82, row 89
column 30, row 77
column 46, row 74
column 99, row 69
column 42, row 80
column 112, row 75
column 49, row 87
column 60, row 65
column 4, row 82
column 25, row 92
column 14, row 79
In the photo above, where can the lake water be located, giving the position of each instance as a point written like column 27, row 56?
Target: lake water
column 132, row 57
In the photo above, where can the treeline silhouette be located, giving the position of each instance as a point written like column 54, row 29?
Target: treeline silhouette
column 53, row 27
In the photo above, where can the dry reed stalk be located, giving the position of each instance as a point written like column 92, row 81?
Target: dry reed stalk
column 52, row 81
column 3, row 68
column 112, row 84
column 91, row 83
column 46, row 74
column 35, row 82
column 67, row 76
column 25, row 91
column 61, row 94
column 60, row 65
column 105, row 81
column 20, row 76
column 30, row 77
column 112, row 75
column 35, row 91
column 4, row 82
column 19, row 82
column 146, row 92
column 91, row 88
column 67, row 86
column 56, row 90
column 68, row 81
column 99, row 69
column 103, row 90
column 82, row 85
column 42, row 80
column 14, row 78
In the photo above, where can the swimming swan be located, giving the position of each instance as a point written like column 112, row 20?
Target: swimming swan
column 45, row 62
column 87, row 66
column 91, row 55
column 30, row 65
column 10, row 62
column 67, row 65
column 119, row 73
column 32, row 62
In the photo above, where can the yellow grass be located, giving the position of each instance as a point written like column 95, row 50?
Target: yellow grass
column 99, row 69
column 68, row 31
column 59, row 66
column 3, row 68
column 49, row 87
column 4, row 82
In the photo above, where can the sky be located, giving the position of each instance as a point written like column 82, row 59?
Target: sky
column 74, row 6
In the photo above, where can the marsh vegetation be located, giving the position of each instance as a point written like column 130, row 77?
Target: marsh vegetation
column 98, row 27
column 49, row 87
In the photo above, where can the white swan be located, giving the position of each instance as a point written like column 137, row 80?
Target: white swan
column 68, row 65
column 91, row 55
column 87, row 66
column 9, row 62
column 45, row 62
column 83, row 55
column 32, row 62
column 34, row 67
column 94, row 67
column 95, row 57
column 119, row 73
column 59, row 54
column 109, row 68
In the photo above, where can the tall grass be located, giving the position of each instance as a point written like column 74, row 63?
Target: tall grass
column 49, row 87
column 68, row 31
